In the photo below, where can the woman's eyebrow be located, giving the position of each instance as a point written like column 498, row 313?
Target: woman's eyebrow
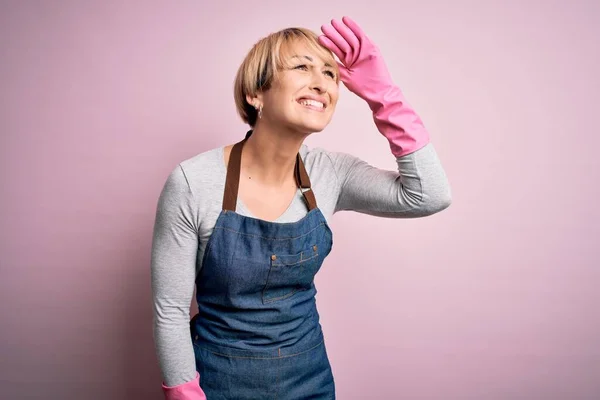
column 309, row 58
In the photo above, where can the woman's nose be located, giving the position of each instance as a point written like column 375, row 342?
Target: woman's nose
column 318, row 82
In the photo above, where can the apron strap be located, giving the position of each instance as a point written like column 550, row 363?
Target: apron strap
column 232, row 181
column 303, row 182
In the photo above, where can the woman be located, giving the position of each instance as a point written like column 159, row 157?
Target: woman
column 248, row 224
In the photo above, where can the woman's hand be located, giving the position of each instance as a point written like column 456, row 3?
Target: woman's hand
column 362, row 68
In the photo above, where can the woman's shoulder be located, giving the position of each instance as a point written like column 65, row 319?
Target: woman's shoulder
column 208, row 160
column 315, row 156
column 200, row 172
column 320, row 158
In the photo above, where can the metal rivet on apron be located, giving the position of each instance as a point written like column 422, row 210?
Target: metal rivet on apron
column 196, row 337
column 273, row 257
column 315, row 247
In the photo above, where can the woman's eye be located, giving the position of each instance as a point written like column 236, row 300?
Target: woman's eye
column 305, row 67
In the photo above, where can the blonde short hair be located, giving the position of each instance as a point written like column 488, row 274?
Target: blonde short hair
column 264, row 60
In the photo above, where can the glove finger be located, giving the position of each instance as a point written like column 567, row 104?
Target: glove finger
column 353, row 26
column 350, row 38
column 327, row 43
column 336, row 38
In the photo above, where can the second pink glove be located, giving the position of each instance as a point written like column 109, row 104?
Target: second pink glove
column 187, row 391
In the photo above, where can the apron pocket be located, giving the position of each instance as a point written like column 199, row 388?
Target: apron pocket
column 289, row 274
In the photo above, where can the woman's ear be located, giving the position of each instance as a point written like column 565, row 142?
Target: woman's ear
column 254, row 101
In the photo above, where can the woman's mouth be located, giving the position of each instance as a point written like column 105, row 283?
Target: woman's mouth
column 312, row 104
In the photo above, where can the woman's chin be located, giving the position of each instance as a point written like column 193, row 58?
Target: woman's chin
column 313, row 126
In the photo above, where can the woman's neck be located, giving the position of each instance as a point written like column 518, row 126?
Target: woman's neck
column 269, row 156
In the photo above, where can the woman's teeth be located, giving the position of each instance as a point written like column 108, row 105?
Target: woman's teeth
column 313, row 103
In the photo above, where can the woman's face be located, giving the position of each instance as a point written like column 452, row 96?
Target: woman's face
column 303, row 96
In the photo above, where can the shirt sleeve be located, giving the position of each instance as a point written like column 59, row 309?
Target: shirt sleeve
column 418, row 188
column 173, row 271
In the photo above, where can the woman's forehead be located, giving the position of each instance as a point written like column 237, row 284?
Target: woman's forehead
column 302, row 51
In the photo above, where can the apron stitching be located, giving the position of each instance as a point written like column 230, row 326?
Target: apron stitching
column 285, row 296
column 262, row 358
column 270, row 238
column 301, row 261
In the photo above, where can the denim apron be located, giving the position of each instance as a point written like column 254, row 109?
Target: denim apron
column 257, row 333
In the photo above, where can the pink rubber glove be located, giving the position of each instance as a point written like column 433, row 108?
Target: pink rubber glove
column 187, row 391
column 364, row 72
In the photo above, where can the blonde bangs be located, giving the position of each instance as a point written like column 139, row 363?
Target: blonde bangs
column 283, row 54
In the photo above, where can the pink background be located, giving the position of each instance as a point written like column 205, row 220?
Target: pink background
column 495, row 298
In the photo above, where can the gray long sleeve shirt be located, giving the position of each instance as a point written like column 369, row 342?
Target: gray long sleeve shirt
column 191, row 201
